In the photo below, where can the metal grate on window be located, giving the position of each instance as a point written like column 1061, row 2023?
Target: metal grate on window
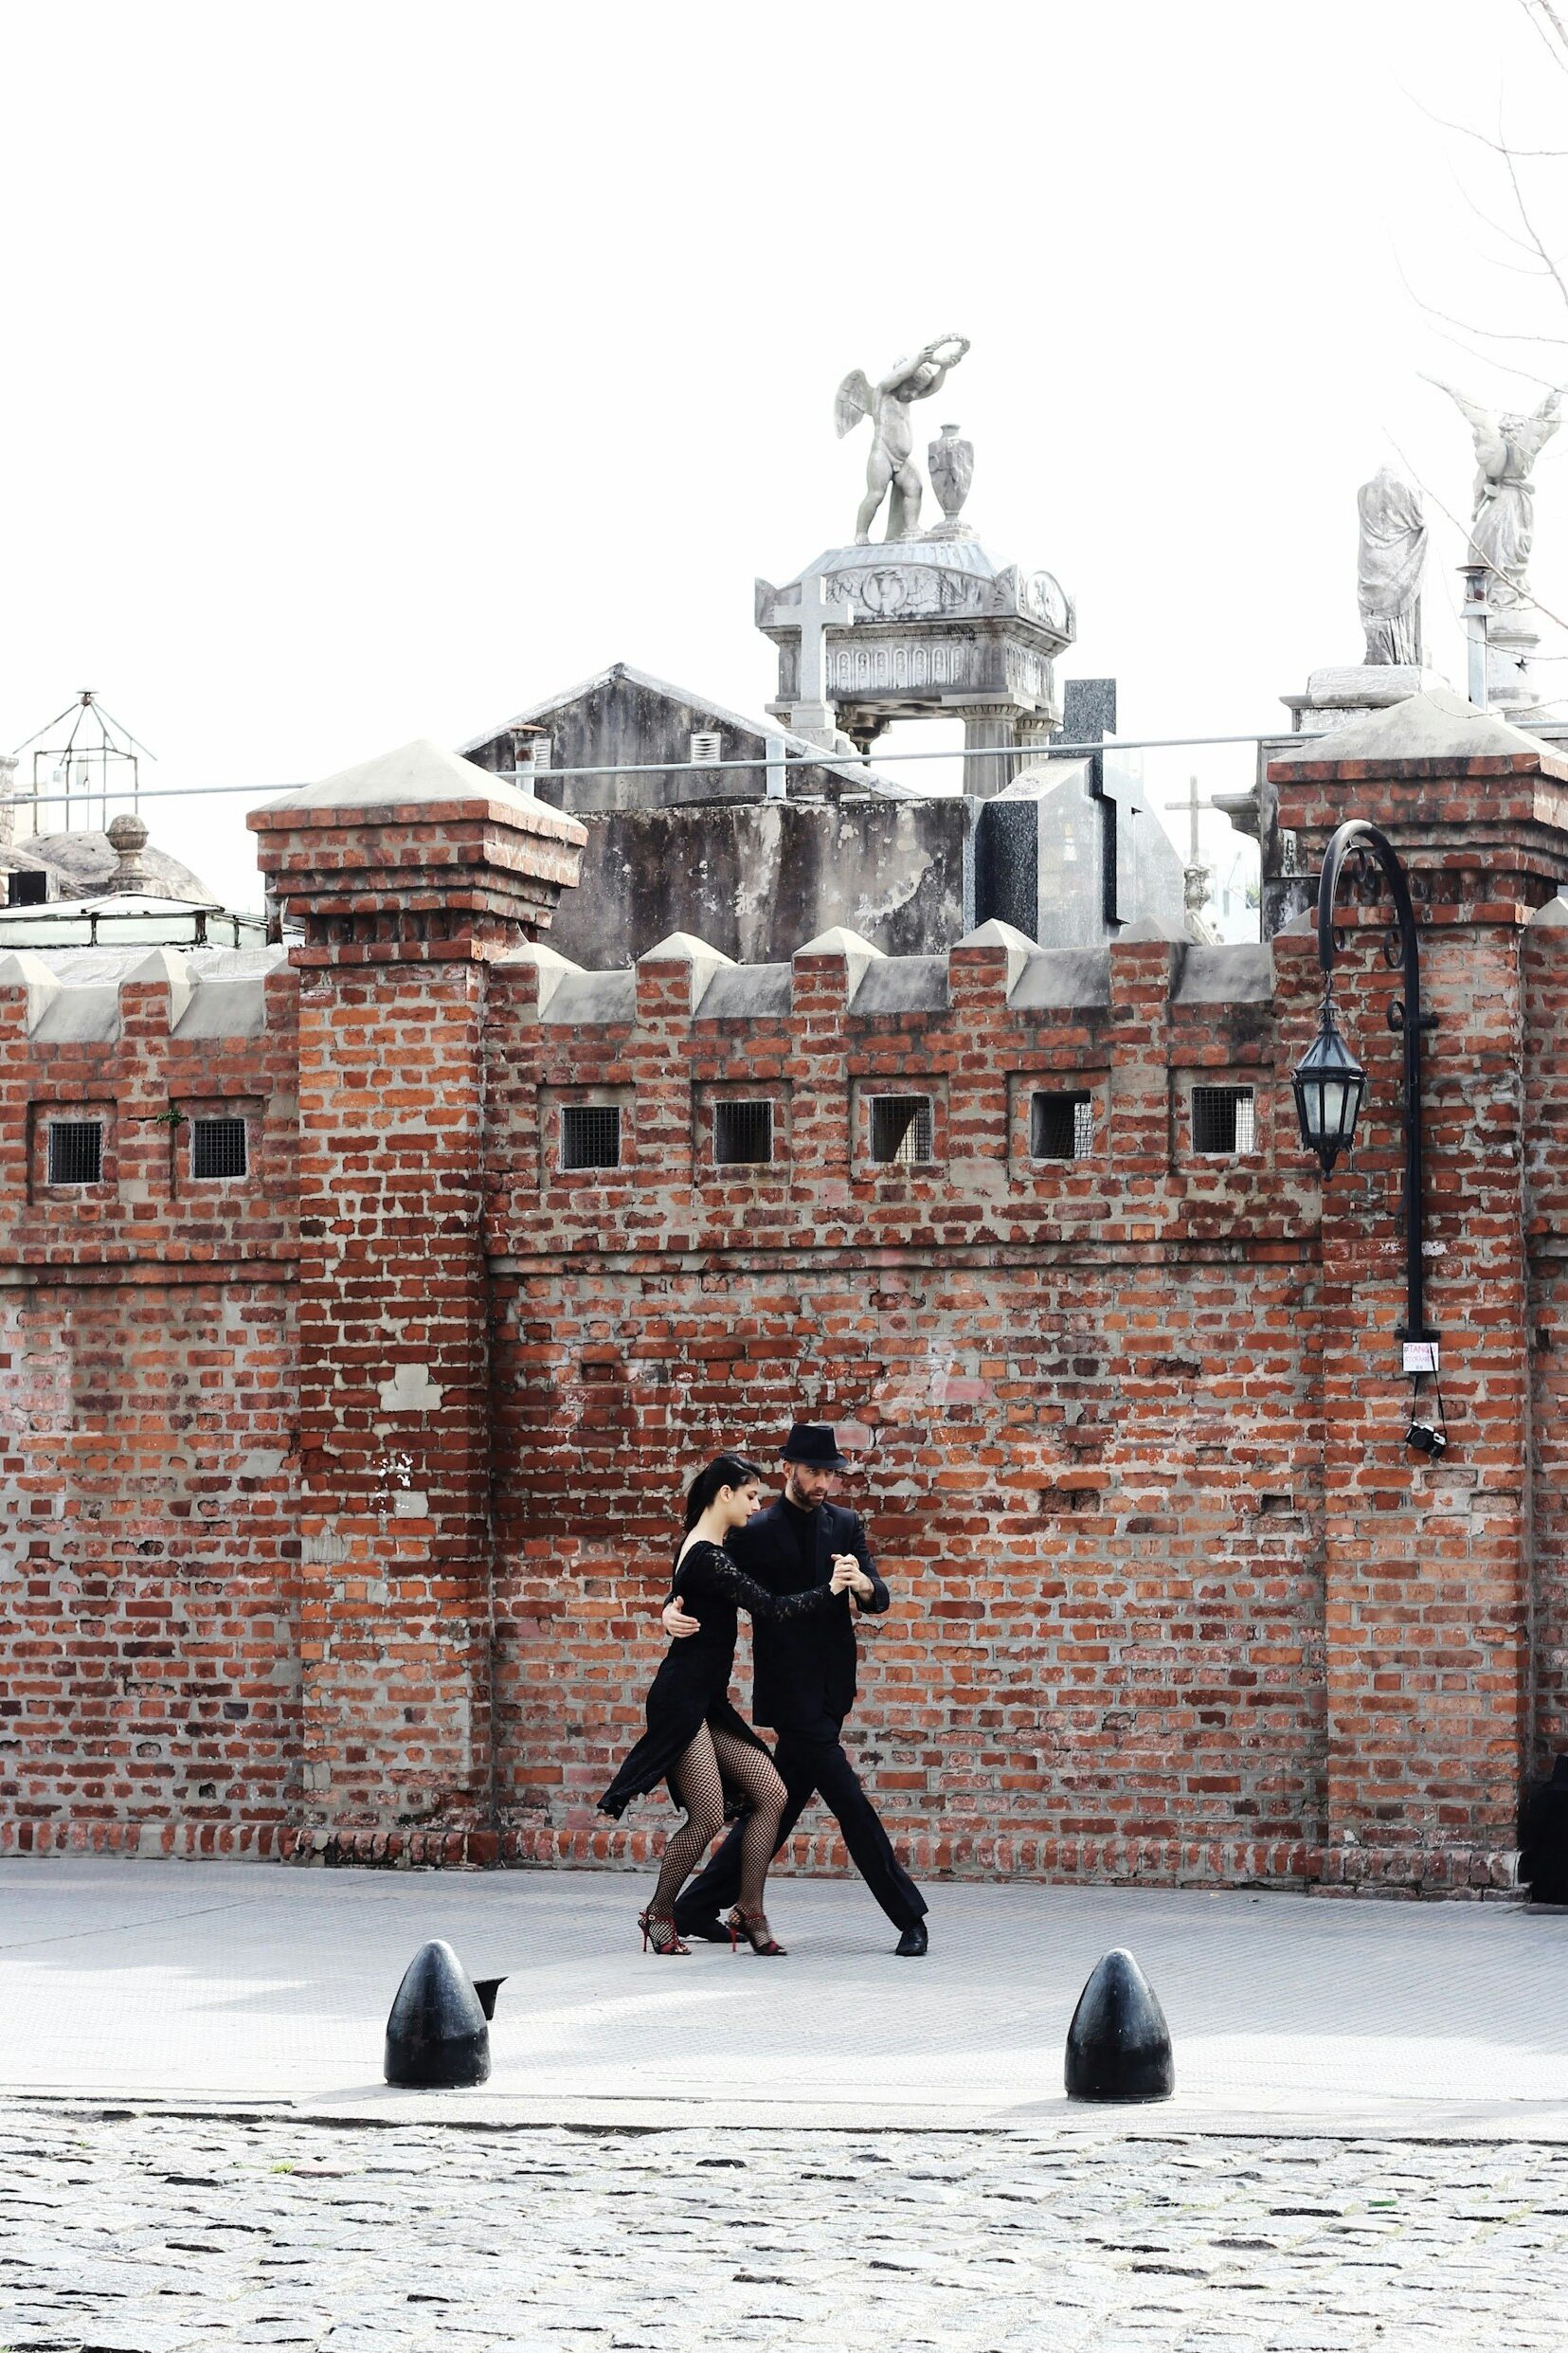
column 1061, row 1127
column 76, row 1151
column 901, row 1128
column 1222, row 1121
column 540, row 751
column 217, row 1147
column 708, row 749
column 590, row 1136
column 743, row 1131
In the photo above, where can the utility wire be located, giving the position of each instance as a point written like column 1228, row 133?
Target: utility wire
column 841, row 762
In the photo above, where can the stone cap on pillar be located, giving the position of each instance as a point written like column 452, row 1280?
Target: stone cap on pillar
column 694, row 961
column 1475, row 805
column 993, row 945
column 839, row 947
column 415, row 856
column 1433, row 734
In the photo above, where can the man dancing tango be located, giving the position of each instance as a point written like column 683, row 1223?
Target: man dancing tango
column 804, row 1687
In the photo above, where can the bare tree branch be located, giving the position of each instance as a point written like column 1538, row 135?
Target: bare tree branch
column 1496, row 334
column 1534, row 11
column 1519, row 244
column 1469, row 131
column 1487, row 359
column 1534, row 234
column 1507, row 236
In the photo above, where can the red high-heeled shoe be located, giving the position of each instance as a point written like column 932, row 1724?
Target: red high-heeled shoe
column 753, row 1927
column 651, row 1923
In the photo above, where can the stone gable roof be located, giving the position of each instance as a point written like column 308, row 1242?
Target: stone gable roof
column 852, row 772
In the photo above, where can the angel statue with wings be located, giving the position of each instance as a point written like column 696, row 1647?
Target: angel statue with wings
column 888, row 407
column 1503, row 525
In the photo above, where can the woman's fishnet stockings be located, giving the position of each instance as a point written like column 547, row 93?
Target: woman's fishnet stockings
column 713, row 1763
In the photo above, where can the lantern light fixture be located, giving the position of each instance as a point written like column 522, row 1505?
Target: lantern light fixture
column 1329, row 1087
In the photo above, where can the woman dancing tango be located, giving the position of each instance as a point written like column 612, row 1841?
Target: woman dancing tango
column 712, row 1759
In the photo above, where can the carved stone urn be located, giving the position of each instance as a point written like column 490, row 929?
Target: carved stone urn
column 952, row 465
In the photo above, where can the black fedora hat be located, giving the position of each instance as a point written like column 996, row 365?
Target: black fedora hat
column 815, row 1443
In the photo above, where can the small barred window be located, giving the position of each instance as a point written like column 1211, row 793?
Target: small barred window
column 1061, row 1127
column 707, row 748
column 1222, row 1121
column 590, row 1136
column 218, row 1147
column 743, row 1132
column 901, row 1128
column 76, row 1151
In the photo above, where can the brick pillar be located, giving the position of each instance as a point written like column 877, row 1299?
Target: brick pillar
column 408, row 875
column 1428, row 1566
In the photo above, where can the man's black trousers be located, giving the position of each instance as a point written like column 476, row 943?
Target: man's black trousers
column 812, row 1763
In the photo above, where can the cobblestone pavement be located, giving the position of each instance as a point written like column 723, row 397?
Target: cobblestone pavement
column 148, row 2235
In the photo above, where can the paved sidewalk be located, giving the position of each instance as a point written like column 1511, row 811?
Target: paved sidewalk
column 246, row 1984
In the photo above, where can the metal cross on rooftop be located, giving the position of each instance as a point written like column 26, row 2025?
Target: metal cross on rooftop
column 1194, row 806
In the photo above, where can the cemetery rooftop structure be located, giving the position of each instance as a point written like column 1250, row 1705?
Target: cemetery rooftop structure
column 756, row 835
column 698, row 820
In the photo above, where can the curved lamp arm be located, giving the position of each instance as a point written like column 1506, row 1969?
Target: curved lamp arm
column 1405, row 1015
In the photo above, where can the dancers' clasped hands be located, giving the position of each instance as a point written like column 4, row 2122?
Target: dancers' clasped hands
column 849, row 1577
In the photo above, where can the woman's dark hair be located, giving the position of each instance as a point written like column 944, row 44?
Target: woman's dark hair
column 724, row 1470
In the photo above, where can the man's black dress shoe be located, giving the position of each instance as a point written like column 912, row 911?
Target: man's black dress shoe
column 712, row 1930
column 914, row 1941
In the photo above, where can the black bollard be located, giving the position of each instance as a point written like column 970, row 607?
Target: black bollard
column 1118, row 2045
column 437, row 2034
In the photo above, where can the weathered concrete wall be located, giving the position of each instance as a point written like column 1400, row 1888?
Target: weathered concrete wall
column 757, row 879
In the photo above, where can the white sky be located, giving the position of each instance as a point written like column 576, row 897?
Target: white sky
column 373, row 371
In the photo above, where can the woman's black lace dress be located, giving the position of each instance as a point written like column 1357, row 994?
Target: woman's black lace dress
column 693, row 1684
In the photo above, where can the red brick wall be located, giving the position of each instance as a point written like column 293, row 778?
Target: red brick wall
column 1171, row 1597
column 149, row 1637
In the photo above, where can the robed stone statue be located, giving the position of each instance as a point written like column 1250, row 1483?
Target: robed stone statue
column 891, row 465
column 1388, row 574
column 1503, row 525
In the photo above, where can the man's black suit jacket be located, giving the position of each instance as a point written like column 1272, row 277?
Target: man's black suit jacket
column 803, row 1669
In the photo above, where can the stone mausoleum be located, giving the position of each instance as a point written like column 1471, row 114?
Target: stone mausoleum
column 364, row 1302
column 760, row 835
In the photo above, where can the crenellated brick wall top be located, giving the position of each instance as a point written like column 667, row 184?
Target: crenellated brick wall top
column 976, row 1035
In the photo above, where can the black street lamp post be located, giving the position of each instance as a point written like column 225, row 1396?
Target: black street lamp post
column 1330, row 1084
